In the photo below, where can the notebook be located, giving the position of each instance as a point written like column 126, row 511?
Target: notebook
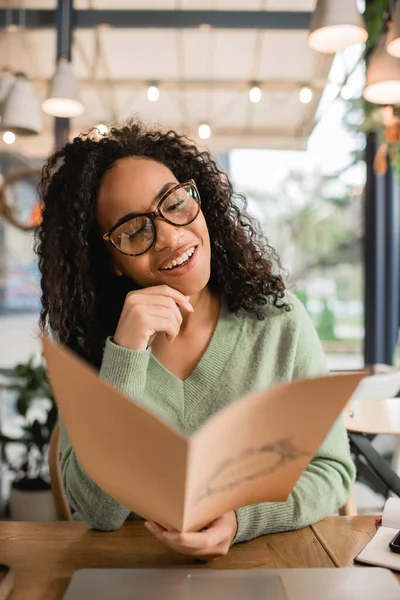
column 377, row 551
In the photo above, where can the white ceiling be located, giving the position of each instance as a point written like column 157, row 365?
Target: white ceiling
column 203, row 75
column 281, row 5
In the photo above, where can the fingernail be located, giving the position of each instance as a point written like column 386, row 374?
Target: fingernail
column 148, row 526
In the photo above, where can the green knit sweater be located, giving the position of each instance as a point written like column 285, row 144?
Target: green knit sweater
column 244, row 355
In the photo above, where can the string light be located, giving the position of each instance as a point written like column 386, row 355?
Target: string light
column 255, row 94
column 102, row 129
column 204, row 131
column 305, row 95
column 153, row 93
column 9, row 137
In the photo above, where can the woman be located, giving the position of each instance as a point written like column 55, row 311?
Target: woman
column 154, row 273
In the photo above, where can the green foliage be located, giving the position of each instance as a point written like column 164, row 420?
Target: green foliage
column 376, row 12
column 30, row 385
column 313, row 220
column 326, row 324
column 396, row 162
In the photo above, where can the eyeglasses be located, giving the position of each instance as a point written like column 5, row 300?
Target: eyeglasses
column 135, row 233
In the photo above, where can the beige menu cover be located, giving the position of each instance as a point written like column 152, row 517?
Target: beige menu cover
column 252, row 451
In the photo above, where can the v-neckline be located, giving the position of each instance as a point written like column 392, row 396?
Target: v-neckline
column 214, row 358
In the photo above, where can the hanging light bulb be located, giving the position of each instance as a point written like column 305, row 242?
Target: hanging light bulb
column 393, row 37
column 335, row 25
column 153, row 93
column 305, row 95
column 20, row 112
column 255, row 94
column 204, row 131
column 382, row 84
column 64, row 98
column 9, row 137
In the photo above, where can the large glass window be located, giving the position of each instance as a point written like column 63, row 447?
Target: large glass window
column 310, row 207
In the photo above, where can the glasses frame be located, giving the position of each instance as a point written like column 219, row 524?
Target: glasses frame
column 153, row 216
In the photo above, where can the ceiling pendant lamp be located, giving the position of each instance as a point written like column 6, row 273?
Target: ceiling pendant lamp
column 335, row 25
column 393, row 38
column 64, row 97
column 20, row 112
column 7, row 80
column 382, row 84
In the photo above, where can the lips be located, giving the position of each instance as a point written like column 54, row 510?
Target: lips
column 182, row 269
column 178, row 258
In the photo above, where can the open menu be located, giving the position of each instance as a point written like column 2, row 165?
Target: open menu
column 252, row 451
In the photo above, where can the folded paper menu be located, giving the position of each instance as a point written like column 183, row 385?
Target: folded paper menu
column 377, row 551
column 252, row 451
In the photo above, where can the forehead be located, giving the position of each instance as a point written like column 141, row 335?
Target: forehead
column 132, row 185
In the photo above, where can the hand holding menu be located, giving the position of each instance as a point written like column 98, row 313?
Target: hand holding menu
column 252, row 451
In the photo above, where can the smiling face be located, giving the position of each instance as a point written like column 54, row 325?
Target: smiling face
column 136, row 185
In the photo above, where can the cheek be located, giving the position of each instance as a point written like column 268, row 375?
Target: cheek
column 136, row 268
column 202, row 230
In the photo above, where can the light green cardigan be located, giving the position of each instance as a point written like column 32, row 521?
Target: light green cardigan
column 245, row 355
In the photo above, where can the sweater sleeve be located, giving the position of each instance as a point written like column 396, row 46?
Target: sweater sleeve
column 126, row 370
column 326, row 483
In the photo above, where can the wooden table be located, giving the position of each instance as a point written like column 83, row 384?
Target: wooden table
column 343, row 537
column 44, row 556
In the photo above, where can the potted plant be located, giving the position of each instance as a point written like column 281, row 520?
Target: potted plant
column 27, row 455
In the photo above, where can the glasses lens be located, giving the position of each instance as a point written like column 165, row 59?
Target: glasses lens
column 181, row 206
column 134, row 236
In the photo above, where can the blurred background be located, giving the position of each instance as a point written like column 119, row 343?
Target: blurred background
column 297, row 101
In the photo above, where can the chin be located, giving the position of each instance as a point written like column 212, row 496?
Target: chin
column 192, row 286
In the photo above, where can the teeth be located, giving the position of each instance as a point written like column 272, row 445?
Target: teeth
column 180, row 260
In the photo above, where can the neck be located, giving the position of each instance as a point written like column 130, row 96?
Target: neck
column 205, row 306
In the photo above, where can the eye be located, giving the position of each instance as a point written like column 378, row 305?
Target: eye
column 138, row 232
column 135, row 229
column 180, row 202
column 143, row 231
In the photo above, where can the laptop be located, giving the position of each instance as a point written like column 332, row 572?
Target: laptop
column 255, row 584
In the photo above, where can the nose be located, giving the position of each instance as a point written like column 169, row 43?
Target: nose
column 167, row 235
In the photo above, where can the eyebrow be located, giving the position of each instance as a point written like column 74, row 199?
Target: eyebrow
column 161, row 192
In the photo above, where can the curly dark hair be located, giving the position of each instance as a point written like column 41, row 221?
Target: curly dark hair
column 82, row 298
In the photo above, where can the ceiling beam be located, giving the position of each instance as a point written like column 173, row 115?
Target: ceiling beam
column 165, row 19
column 193, row 85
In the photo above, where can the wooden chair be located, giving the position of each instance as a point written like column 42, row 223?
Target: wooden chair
column 63, row 510
column 364, row 419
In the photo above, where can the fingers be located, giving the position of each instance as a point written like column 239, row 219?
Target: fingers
column 164, row 320
column 158, row 303
column 166, row 291
column 147, row 312
column 208, row 544
column 196, row 541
